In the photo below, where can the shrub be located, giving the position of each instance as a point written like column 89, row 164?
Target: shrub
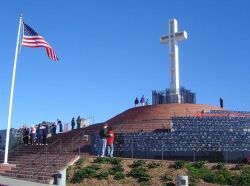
column 144, row 178
column 138, row 163
column 220, row 166
column 238, row 166
column 200, row 164
column 245, row 176
column 137, row 172
column 167, row 178
column 179, row 164
column 210, row 178
column 103, row 160
column 169, row 184
column 118, row 168
column 102, row 175
column 68, row 172
column 119, row 176
column 95, row 166
column 153, row 165
column 199, row 173
column 220, row 179
column 115, row 161
column 84, row 173
column 79, row 163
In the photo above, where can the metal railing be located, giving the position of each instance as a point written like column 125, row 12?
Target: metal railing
column 80, row 141
column 38, row 155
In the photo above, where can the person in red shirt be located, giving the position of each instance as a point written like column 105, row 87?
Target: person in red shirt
column 110, row 142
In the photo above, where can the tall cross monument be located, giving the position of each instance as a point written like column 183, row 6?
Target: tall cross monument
column 172, row 40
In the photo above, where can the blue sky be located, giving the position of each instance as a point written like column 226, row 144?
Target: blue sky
column 110, row 53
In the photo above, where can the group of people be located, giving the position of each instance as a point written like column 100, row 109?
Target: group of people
column 73, row 123
column 35, row 134
column 107, row 141
column 142, row 101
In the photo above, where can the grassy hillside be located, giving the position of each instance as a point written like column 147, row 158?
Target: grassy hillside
column 116, row 171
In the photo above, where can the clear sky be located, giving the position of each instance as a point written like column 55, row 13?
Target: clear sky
column 110, row 53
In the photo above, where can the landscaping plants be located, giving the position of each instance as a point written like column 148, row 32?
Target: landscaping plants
column 119, row 176
column 139, row 173
column 179, row 164
column 153, row 165
column 138, row 163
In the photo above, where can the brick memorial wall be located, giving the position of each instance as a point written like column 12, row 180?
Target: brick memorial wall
column 203, row 135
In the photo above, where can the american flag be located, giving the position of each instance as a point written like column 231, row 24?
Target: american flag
column 32, row 39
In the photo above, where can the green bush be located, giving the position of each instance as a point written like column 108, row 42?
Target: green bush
column 79, row 163
column 68, row 172
column 169, row 184
column 84, row 173
column 179, row 164
column 167, row 178
column 199, row 173
column 115, row 161
column 245, row 176
column 153, row 165
column 235, row 180
column 95, row 166
column 210, row 178
column 220, row 166
column 140, row 173
column 137, row 172
column 103, row 160
column 138, row 163
column 102, row 175
column 238, row 166
column 220, row 179
column 144, row 178
column 200, row 164
column 119, row 176
column 118, row 168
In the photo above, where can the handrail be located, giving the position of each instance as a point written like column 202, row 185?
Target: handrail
column 55, row 168
column 39, row 154
column 51, row 161
column 72, row 146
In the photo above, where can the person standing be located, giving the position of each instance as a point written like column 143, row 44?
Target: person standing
column 136, row 101
column 221, row 102
column 78, row 121
column 110, row 142
column 0, row 143
column 60, row 125
column 32, row 135
column 142, row 101
column 53, row 128
column 103, row 135
column 73, row 123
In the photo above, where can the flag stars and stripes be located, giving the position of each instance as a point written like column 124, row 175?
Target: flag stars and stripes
column 32, row 39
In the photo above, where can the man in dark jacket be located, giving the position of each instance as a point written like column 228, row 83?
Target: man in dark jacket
column 103, row 135
column 73, row 123
column 78, row 121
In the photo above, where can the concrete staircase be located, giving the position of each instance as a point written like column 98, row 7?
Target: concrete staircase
column 40, row 163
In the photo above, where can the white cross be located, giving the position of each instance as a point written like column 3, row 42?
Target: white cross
column 172, row 39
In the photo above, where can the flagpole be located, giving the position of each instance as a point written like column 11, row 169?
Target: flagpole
column 11, row 95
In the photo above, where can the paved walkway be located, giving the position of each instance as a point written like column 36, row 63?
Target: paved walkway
column 4, row 181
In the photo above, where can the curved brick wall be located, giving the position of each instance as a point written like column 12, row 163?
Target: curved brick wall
column 152, row 117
